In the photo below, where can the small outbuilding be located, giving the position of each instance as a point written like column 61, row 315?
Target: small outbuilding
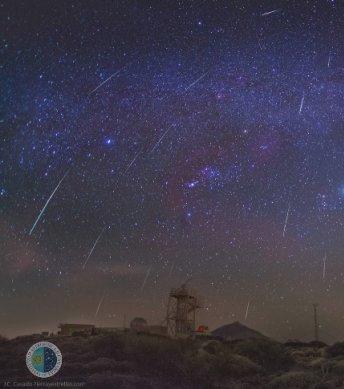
column 139, row 324
column 67, row 329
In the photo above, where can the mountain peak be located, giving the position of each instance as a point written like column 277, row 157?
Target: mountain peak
column 236, row 330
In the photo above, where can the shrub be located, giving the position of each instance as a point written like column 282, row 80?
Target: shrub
column 323, row 367
column 73, row 345
column 317, row 344
column 233, row 365
column 269, row 354
column 296, row 344
column 155, row 354
column 73, row 368
column 109, row 345
column 305, row 356
column 338, row 367
column 294, row 379
column 337, row 349
column 108, row 380
column 107, row 364
column 213, row 347
column 220, row 366
column 317, row 363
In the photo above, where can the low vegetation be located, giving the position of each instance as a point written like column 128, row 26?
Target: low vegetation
column 129, row 360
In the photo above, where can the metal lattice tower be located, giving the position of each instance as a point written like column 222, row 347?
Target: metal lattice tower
column 181, row 311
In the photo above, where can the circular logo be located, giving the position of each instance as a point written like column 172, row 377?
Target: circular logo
column 44, row 359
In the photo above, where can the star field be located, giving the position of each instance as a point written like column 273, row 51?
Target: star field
column 191, row 139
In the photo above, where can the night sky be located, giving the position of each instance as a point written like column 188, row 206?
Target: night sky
column 168, row 140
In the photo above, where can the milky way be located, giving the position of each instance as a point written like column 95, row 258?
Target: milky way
column 187, row 129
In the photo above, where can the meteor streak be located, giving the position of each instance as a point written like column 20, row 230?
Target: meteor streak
column 171, row 270
column 93, row 247
column 46, row 204
column 324, row 266
column 286, row 220
column 301, row 104
column 161, row 138
column 109, row 78
column 195, row 82
column 270, row 12
column 131, row 163
column 247, row 308
column 99, row 305
column 146, row 278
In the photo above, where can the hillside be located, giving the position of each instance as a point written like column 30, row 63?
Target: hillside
column 127, row 360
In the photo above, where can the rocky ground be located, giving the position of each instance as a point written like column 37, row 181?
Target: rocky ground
column 128, row 360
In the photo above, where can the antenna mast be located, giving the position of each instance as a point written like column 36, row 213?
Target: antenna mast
column 316, row 325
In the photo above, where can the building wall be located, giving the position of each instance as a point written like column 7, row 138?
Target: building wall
column 156, row 329
column 69, row 329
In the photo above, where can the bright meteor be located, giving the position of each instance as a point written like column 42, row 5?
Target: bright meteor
column 46, row 204
column 93, row 247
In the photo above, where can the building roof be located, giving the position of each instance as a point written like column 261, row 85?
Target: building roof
column 76, row 325
column 139, row 320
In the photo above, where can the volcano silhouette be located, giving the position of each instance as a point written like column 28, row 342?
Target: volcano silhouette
column 235, row 331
